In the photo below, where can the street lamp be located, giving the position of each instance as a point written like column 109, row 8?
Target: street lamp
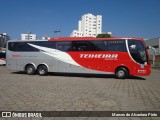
column 57, row 32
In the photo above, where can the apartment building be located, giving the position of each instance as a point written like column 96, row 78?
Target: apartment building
column 88, row 26
column 28, row 36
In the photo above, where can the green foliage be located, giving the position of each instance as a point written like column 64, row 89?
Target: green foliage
column 104, row 35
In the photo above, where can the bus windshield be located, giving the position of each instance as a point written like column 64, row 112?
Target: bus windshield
column 137, row 51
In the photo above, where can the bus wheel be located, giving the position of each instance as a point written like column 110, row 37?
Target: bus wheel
column 121, row 73
column 30, row 70
column 42, row 70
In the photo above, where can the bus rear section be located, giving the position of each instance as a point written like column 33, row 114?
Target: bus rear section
column 119, row 56
column 3, row 58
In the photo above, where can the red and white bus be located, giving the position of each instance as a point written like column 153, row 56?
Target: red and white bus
column 2, row 58
column 119, row 56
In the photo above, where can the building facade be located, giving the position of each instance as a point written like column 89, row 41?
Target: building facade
column 88, row 26
column 28, row 36
column 155, row 43
column 3, row 39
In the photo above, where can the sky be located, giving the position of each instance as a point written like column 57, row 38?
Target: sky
column 135, row 18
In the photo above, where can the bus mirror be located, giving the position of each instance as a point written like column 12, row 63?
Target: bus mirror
column 145, row 63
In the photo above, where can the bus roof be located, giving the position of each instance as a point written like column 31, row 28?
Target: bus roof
column 78, row 39
column 90, row 38
column 25, row 40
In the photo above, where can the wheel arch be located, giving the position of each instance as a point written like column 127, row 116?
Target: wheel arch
column 44, row 65
column 122, row 66
column 30, row 64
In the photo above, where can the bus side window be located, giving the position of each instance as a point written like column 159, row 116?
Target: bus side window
column 48, row 44
column 80, row 46
column 63, row 46
column 98, row 45
column 117, row 45
column 25, row 47
column 12, row 46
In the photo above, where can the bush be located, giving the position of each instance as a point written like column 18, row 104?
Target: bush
column 103, row 35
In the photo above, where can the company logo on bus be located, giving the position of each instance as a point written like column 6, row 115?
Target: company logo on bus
column 15, row 56
column 104, row 56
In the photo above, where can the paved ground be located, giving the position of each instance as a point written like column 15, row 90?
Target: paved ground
column 21, row 92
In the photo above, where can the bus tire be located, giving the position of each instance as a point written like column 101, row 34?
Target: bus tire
column 42, row 70
column 121, row 73
column 30, row 69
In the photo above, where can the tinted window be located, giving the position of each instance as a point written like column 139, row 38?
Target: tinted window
column 21, row 46
column 117, row 45
column 12, row 46
column 80, row 46
column 48, row 44
column 63, row 46
column 25, row 47
column 137, row 51
column 98, row 45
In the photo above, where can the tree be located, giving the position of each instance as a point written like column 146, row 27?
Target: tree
column 104, row 35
